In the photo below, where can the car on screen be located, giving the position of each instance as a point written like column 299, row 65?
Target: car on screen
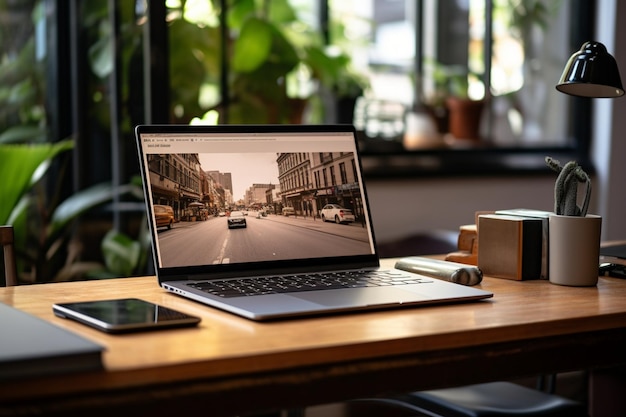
column 163, row 216
column 236, row 219
column 289, row 211
column 336, row 213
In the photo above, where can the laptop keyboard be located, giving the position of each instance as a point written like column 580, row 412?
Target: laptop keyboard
column 305, row 282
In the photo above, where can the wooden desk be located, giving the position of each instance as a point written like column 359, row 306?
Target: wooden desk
column 231, row 366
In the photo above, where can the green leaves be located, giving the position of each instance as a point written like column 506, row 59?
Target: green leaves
column 194, row 62
column 262, row 59
column 21, row 166
column 121, row 254
column 42, row 227
column 253, row 46
column 80, row 202
column 261, row 46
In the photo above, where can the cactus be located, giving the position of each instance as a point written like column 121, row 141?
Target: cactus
column 566, row 188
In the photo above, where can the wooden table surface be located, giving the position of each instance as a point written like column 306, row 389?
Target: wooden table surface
column 230, row 365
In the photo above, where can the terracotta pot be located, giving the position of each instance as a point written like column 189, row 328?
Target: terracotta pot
column 464, row 117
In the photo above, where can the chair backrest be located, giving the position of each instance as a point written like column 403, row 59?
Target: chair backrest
column 10, row 270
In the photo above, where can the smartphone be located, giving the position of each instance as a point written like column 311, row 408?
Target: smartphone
column 124, row 315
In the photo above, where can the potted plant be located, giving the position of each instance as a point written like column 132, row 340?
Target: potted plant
column 276, row 65
column 464, row 113
column 574, row 235
column 454, row 110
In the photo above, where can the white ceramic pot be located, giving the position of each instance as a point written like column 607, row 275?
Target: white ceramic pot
column 574, row 253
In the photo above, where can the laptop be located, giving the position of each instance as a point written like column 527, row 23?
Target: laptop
column 270, row 222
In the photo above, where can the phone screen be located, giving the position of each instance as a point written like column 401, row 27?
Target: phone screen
column 124, row 315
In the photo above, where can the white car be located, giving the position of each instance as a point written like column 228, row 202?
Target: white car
column 336, row 213
column 289, row 211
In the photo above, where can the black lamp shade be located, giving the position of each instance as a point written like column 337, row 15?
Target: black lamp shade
column 591, row 72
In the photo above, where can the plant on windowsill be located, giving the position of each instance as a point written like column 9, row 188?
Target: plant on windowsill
column 453, row 108
column 464, row 112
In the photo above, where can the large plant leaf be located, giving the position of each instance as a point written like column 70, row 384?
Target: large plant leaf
column 281, row 11
column 101, row 57
column 80, row 202
column 283, row 55
column 41, row 247
column 239, row 11
column 21, row 166
column 271, row 91
column 121, row 253
column 252, row 48
column 324, row 67
column 194, row 60
column 101, row 53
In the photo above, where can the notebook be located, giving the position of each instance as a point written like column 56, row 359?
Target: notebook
column 270, row 221
column 32, row 347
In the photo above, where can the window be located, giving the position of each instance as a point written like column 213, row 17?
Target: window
column 343, row 173
column 427, row 54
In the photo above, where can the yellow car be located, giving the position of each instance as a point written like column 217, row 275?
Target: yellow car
column 163, row 216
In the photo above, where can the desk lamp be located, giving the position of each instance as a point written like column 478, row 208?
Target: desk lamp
column 591, row 72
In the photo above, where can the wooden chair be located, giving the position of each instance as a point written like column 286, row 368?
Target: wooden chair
column 10, row 270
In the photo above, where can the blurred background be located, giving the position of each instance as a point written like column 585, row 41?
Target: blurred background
column 454, row 102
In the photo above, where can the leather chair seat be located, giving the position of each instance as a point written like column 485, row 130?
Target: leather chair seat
column 493, row 399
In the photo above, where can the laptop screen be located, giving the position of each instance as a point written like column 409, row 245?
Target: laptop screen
column 224, row 198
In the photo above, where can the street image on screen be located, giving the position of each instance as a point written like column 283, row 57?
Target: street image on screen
column 221, row 208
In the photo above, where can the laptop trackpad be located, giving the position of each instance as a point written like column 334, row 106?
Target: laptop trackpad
column 360, row 297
